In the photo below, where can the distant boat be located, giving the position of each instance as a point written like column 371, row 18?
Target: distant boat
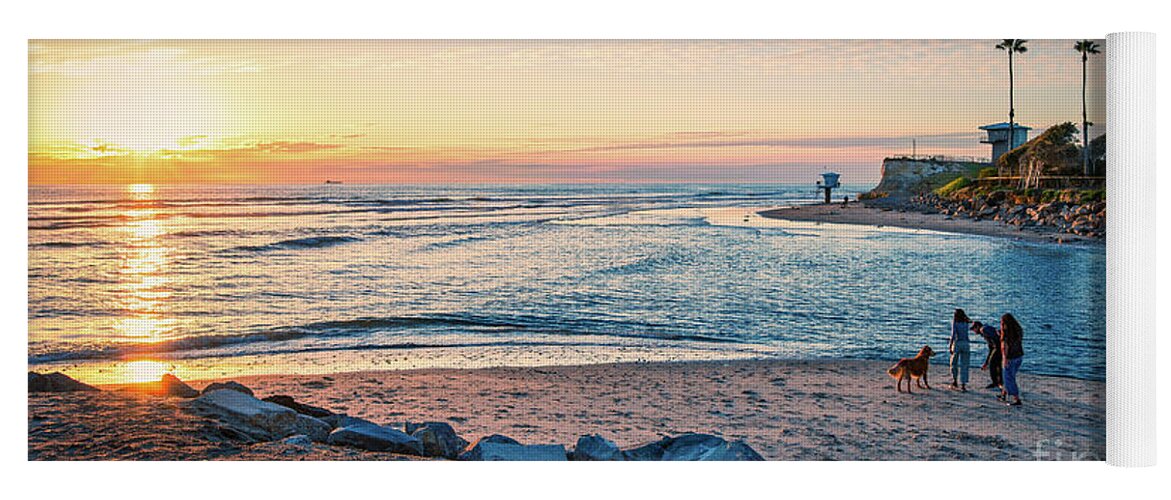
column 333, row 182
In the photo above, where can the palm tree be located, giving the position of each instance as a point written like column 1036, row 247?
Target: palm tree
column 1085, row 47
column 1011, row 45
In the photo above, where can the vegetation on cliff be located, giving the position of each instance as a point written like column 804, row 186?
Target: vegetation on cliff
column 1054, row 152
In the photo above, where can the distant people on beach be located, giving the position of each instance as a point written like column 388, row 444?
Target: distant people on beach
column 1013, row 351
column 960, row 348
column 994, row 361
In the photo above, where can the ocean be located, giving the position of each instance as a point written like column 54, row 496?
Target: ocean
column 126, row 281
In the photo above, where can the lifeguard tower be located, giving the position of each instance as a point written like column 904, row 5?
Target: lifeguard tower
column 998, row 137
column 829, row 182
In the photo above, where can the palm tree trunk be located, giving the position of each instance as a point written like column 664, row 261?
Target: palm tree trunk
column 1085, row 123
column 1011, row 107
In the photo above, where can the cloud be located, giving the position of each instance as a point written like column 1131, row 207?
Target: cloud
column 293, row 147
column 190, row 141
column 813, row 143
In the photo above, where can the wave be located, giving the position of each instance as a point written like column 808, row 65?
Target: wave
column 299, row 244
column 652, row 263
column 441, row 322
column 68, row 244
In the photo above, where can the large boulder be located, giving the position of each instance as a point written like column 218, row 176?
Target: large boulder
column 649, row 452
column 231, row 385
column 304, row 409
column 439, row 439
column 596, row 448
column 508, row 452
column 316, row 429
column 55, row 382
column 261, row 420
column 472, row 451
column 693, row 447
column 372, row 437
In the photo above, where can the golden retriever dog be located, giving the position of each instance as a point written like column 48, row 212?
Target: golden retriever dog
column 913, row 368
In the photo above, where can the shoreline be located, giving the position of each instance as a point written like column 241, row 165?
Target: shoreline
column 785, row 410
column 857, row 213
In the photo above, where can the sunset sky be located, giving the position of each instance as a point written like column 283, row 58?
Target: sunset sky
column 527, row 111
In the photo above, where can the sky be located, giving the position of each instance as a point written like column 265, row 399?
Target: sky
column 428, row 111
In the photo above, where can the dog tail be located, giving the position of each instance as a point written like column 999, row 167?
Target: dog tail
column 896, row 370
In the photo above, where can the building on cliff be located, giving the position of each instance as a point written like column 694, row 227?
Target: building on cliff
column 998, row 137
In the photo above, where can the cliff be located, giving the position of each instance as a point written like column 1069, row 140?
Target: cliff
column 903, row 178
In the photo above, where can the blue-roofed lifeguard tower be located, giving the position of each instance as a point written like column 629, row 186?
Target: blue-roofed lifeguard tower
column 998, row 138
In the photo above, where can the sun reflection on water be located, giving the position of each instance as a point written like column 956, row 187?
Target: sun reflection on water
column 144, row 287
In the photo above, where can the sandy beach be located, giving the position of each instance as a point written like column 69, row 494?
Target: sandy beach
column 785, row 410
column 858, row 213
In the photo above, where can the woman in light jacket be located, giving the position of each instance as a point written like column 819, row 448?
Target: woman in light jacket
column 960, row 348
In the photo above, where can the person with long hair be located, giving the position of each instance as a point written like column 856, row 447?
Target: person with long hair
column 1012, row 348
column 960, row 347
column 994, row 361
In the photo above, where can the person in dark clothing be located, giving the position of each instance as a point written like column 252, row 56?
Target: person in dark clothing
column 1013, row 351
column 994, row 362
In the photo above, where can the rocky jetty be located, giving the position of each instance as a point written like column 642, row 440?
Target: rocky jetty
column 1068, row 215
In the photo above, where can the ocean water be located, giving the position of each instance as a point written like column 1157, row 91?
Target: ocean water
column 220, row 280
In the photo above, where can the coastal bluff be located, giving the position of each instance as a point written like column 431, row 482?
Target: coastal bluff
column 907, row 177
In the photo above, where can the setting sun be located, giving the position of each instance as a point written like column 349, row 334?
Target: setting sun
column 141, row 371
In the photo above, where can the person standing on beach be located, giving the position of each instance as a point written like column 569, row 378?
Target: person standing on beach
column 960, row 348
column 994, row 362
column 1012, row 347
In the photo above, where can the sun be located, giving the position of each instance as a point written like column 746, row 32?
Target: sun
column 136, row 372
column 142, row 104
column 140, row 188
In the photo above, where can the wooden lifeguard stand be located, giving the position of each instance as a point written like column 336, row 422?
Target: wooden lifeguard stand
column 829, row 181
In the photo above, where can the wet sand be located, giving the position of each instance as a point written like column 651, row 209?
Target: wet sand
column 857, row 213
column 786, row 410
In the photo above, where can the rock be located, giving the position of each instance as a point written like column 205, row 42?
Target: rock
column 439, row 439
column 260, row 419
column 232, row 385
column 595, row 448
column 56, row 382
column 372, row 437
column 316, row 429
column 472, row 452
column 735, row 451
column 298, row 440
column 694, row 447
column 507, row 452
column 338, row 420
column 649, row 452
column 170, row 385
column 304, row 409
